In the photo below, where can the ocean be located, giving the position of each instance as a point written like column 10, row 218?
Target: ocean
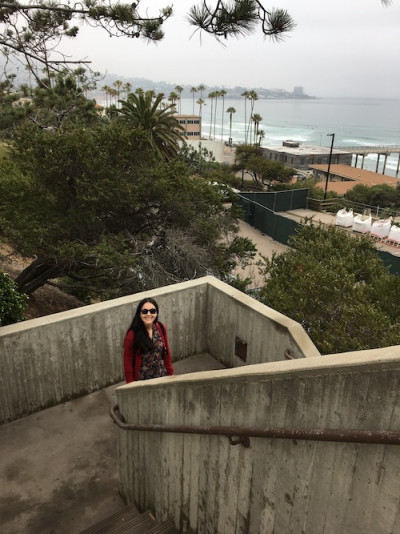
column 355, row 122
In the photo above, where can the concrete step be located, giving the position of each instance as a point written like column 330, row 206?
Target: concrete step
column 129, row 520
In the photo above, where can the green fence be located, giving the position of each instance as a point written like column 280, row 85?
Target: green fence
column 280, row 200
column 267, row 221
column 391, row 262
column 259, row 214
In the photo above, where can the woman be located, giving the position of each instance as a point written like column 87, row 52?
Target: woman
column 146, row 349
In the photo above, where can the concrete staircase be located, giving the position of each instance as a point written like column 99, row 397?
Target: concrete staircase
column 130, row 521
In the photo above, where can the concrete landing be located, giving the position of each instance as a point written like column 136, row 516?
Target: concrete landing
column 197, row 363
column 58, row 467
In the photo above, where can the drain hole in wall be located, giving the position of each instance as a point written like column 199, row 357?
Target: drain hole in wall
column 240, row 348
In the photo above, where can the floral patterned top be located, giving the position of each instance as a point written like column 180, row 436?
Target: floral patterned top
column 153, row 361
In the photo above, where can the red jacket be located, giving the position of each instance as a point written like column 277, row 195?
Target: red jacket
column 133, row 358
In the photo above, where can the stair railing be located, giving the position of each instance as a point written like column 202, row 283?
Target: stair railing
column 243, row 434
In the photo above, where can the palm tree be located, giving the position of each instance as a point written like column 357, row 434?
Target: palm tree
column 193, row 90
column 127, row 88
column 245, row 95
column 253, row 96
column 113, row 96
column 153, row 93
column 118, row 86
column 211, row 96
column 217, row 94
column 201, row 88
column 179, row 90
column 256, row 118
column 164, row 131
column 261, row 135
column 201, row 102
column 106, row 90
column 231, row 111
column 222, row 93
column 173, row 97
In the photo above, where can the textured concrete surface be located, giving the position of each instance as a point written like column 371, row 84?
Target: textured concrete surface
column 50, row 360
column 59, row 467
column 207, row 485
column 58, row 470
column 53, row 359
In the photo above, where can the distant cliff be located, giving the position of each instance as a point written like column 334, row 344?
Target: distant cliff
column 232, row 92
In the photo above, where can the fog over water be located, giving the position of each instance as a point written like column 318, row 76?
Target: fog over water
column 340, row 48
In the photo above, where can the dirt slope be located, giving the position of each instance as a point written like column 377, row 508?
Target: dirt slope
column 44, row 301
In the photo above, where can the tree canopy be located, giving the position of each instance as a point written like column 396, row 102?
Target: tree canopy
column 143, row 111
column 337, row 288
column 49, row 106
column 264, row 172
column 98, row 207
column 382, row 195
column 12, row 303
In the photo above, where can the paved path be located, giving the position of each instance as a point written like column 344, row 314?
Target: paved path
column 266, row 246
column 59, row 467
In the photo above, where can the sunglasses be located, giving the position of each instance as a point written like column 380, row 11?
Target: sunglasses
column 152, row 311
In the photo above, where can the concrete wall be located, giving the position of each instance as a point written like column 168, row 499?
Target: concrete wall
column 221, row 152
column 267, row 333
column 279, row 486
column 46, row 361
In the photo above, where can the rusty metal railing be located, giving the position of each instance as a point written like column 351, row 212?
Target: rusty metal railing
column 243, row 434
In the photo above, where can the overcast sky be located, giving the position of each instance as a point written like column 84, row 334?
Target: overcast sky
column 339, row 48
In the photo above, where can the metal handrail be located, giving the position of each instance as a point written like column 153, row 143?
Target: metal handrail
column 377, row 437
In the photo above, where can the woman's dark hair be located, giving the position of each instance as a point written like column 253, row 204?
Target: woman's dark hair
column 142, row 340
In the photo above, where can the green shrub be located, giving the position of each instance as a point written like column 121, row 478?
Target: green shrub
column 12, row 303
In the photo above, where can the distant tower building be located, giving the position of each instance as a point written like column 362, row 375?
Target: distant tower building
column 298, row 91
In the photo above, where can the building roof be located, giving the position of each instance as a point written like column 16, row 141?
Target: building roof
column 352, row 176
